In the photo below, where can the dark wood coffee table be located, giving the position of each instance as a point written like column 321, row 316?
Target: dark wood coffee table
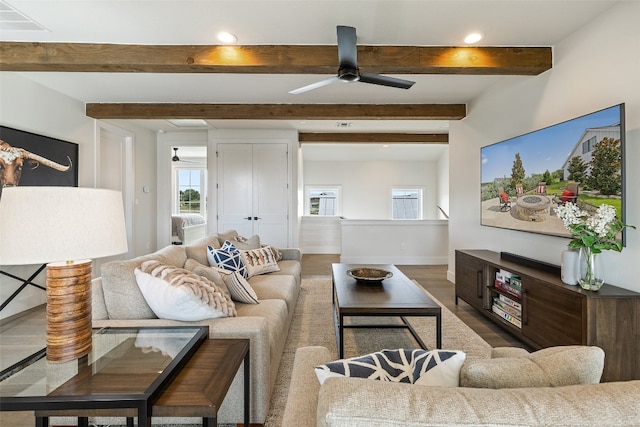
column 396, row 296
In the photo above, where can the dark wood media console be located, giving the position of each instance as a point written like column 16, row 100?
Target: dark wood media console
column 553, row 313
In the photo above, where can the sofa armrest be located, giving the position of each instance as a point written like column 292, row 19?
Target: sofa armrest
column 291, row 253
column 257, row 331
column 302, row 401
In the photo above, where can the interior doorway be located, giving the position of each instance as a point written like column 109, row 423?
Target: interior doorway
column 188, row 193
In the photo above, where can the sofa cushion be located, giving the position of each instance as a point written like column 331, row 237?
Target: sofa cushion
column 268, row 286
column 122, row 297
column 289, row 268
column 259, row 261
column 227, row 257
column 178, row 294
column 415, row 366
column 549, row 367
column 198, row 249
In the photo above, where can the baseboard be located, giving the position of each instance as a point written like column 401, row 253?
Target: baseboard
column 394, row 260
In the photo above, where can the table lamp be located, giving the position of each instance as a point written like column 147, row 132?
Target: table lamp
column 64, row 227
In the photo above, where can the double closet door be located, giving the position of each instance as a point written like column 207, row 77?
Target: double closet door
column 253, row 191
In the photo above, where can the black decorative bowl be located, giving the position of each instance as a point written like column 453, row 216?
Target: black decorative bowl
column 369, row 275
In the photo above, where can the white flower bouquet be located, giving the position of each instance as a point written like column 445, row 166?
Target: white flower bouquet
column 597, row 232
column 592, row 234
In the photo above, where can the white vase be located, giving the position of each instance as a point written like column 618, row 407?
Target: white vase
column 569, row 267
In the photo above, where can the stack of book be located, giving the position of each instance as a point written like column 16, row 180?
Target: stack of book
column 507, row 308
column 509, row 283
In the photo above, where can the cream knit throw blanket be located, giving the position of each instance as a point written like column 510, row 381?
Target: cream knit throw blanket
column 201, row 287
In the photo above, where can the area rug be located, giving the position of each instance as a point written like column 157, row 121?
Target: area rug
column 313, row 325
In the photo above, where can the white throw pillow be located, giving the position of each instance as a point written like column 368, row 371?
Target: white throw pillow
column 259, row 261
column 178, row 294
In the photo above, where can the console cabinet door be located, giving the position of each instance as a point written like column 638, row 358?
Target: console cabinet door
column 550, row 317
column 470, row 280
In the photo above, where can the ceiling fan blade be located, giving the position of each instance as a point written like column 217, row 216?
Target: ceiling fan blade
column 378, row 79
column 315, row 85
column 347, row 47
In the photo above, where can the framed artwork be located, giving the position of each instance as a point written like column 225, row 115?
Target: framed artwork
column 28, row 159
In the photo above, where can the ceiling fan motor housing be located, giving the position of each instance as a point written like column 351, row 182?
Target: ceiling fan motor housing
column 349, row 74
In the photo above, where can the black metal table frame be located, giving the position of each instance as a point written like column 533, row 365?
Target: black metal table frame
column 338, row 317
column 142, row 403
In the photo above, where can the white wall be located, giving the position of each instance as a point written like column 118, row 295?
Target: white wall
column 394, row 242
column 144, row 208
column 30, row 107
column 366, row 185
column 596, row 67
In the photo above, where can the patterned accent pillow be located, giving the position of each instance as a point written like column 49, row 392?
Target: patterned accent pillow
column 434, row 368
column 178, row 294
column 259, row 261
column 227, row 257
column 243, row 243
column 239, row 288
column 439, row 368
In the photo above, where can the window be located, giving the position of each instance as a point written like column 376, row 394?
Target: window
column 191, row 190
column 406, row 203
column 588, row 145
column 322, row 201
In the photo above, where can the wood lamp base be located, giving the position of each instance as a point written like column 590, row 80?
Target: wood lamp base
column 68, row 310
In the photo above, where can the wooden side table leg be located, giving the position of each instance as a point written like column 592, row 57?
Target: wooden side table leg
column 83, row 422
column 209, row 422
column 129, row 421
column 42, row 421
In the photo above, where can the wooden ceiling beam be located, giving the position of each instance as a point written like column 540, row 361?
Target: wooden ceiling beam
column 369, row 138
column 270, row 59
column 276, row 111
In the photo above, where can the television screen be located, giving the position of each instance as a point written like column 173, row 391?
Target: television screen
column 579, row 161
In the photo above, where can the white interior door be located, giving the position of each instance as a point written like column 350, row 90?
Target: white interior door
column 271, row 193
column 235, row 188
column 253, row 191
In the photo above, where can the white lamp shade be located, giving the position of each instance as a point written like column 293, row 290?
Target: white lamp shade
column 50, row 224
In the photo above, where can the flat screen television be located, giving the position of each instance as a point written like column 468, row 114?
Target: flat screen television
column 580, row 160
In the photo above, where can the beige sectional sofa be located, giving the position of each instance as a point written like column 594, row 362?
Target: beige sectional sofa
column 117, row 301
column 536, row 394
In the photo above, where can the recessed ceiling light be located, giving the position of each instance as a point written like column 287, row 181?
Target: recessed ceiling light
column 226, row 37
column 473, row 38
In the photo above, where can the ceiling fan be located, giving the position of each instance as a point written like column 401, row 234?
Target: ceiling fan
column 175, row 157
column 348, row 70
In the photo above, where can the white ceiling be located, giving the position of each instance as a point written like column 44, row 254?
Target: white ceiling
column 390, row 22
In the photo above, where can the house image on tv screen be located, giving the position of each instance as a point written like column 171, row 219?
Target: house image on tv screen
column 584, row 148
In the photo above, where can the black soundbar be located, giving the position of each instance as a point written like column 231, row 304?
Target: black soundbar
column 541, row 265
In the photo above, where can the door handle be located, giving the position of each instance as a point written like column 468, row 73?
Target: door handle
column 255, row 218
column 248, row 218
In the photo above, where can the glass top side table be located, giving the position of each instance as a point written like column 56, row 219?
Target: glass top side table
column 127, row 368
